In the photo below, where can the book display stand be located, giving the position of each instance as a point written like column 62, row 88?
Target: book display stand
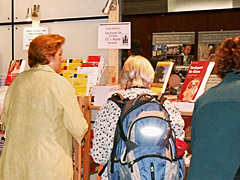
column 83, row 165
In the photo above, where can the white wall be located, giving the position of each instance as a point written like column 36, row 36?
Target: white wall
column 5, row 49
column 81, row 35
column 81, row 38
column 5, row 13
column 57, row 9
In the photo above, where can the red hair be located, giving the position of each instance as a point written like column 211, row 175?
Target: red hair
column 42, row 48
column 228, row 56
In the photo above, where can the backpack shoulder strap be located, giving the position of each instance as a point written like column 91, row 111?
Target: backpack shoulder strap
column 161, row 99
column 118, row 99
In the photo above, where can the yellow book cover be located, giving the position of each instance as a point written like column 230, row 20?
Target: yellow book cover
column 76, row 60
column 73, row 66
column 65, row 60
column 81, row 84
column 81, row 91
column 80, row 81
column 63, row 66
column 69, row 73
column 162, row 74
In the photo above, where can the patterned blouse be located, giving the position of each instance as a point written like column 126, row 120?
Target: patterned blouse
column 107, row 117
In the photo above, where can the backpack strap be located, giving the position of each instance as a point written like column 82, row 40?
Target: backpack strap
column 118, row 99
column 161, row 99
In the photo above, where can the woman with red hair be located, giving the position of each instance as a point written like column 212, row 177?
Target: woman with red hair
column 216, row 120
column 41, row 115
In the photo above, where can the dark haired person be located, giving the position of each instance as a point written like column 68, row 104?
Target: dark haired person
column 41, row 115
column 216, row 120
column 186, row 53
column 136, row 47
column 136, row 50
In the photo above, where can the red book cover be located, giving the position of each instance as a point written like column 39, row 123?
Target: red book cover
column 90, row 64
column 195, row 80
column 15, row 67
column 94, row 58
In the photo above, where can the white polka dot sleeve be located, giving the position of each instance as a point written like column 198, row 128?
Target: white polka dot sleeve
column 177, row 121
column 103, row 132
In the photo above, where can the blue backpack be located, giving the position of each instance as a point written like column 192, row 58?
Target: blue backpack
column 144, row 145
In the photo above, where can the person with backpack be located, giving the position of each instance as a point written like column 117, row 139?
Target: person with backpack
column 137, row 77
column 216, row 122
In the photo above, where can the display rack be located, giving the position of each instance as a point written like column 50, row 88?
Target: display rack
column 82, row 162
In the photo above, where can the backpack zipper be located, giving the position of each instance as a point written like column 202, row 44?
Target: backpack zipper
column 152, row 171
column 131, row 163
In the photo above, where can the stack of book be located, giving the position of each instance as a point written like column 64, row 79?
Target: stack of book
column 94, row 68
column 70, row 70
column 83, row 74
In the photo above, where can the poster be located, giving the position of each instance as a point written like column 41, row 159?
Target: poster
column 29, row 33
column 114, row 35
column 174, row 47
column 208, row 42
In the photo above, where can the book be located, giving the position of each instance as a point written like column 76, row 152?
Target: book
column 161, row 77
column 3, row 91
column 15, row 68
column 94, row 68
column 92, row 74
column 80, row 83
column 94, row 58
column 74, row 61
column 90, row 64
column 68, row 73
column 195, row 81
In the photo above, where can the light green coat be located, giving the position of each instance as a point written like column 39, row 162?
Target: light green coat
column 41, row 115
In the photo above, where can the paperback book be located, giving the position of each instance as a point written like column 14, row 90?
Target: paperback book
column 196, row 79
column 162, row 73
column 15, row 67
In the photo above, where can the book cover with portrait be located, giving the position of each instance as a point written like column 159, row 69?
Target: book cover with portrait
column 161, row 77
column 15, row 67
column 196, row 80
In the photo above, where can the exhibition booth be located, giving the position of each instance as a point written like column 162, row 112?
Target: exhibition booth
column 98, row 36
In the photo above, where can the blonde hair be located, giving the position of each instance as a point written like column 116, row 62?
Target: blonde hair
column 137, row 68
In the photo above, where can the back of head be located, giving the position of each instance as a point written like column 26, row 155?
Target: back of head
column 137, row 68
column 42, row 48
column 227, row 57
column 136, row 47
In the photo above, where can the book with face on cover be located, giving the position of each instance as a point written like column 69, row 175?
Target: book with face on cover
column 195, row 81
column 161, row 77
column 15, row 67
